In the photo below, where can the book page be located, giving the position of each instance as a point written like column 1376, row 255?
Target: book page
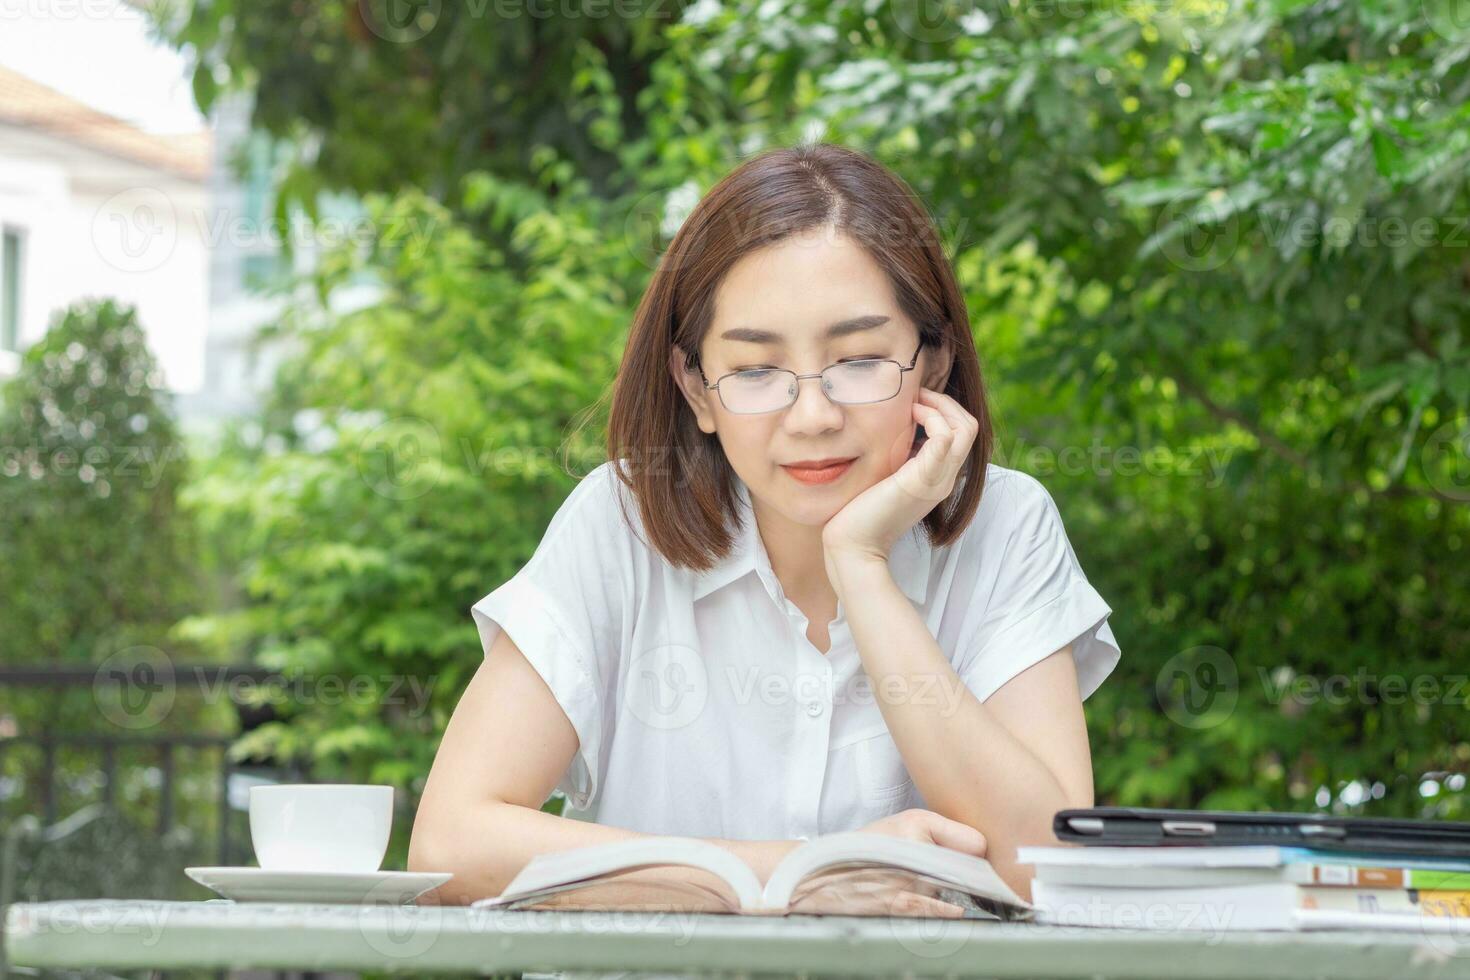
column 866, row 889
column 927, row 867
column 661, row 888
column 675, row 870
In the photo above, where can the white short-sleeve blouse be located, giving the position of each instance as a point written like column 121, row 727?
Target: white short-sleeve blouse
column 700, row 706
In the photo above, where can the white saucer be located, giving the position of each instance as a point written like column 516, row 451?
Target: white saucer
column 329, row 887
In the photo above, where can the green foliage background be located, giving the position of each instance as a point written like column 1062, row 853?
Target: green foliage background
column 1218, row 265
column 97, row 565
column 89, row 478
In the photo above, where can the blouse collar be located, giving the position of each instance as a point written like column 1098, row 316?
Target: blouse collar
column 908, row 561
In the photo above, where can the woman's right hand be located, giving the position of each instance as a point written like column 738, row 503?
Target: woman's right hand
column 881, row 891
column 929, row 827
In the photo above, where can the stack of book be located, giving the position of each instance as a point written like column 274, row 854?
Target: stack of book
column 1214, row 888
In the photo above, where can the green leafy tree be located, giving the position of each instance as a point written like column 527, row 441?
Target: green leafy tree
column 95, row 555
column 96, row 567
column 409, row 467
column 1216, row 259
column 419, row 94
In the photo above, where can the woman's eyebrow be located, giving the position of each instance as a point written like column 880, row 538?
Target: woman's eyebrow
column 841, row 328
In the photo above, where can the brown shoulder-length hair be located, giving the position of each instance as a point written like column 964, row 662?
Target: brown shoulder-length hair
column 678, row 474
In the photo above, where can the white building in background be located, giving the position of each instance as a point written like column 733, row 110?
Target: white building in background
column 248, row 265
column 244, row 260
column 180, row 226
column 91, row 206
column 112, row 183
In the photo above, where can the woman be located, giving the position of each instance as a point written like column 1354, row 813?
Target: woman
column 784, row 607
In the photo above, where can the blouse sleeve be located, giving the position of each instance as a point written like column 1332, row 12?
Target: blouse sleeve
column 1041, row 600
column 565, row 610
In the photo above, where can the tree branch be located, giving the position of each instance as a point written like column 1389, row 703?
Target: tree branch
column 1279, row 447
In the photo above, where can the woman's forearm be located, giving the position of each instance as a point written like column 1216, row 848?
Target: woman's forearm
column 486, row 845
column 964, row 762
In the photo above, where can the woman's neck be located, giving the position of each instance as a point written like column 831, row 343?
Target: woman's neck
column 796, row 555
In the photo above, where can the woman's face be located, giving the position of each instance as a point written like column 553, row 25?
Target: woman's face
column 775, row 309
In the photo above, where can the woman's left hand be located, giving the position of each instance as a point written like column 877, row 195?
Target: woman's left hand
column 872, row 522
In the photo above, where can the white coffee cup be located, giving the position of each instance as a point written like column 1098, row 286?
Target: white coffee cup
column 320, row 827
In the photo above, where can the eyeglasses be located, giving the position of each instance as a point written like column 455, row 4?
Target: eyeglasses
column 872, row 379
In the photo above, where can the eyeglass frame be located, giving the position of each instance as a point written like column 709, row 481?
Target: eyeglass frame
column 913, row 361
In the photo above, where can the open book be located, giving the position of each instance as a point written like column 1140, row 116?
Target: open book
column 851, row 873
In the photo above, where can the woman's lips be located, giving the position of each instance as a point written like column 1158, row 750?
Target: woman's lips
column 826, row 474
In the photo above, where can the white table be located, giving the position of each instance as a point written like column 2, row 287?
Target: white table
column 412, row 939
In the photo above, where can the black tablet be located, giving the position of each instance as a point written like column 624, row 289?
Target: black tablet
column 1154, row 827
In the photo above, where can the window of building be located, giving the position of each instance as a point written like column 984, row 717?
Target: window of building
column 11, row 243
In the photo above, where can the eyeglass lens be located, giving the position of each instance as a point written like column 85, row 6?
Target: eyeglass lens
column 853, row 382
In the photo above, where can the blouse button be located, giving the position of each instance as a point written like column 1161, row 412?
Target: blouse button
column 814, row 708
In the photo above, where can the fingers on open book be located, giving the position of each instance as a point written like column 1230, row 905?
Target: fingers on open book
column 912, row 903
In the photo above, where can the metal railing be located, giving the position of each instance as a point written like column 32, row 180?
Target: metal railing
column 34, row 819
column 163, row 747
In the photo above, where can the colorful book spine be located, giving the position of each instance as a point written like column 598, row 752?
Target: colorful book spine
column 1389, row 901
column 1369, row 877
